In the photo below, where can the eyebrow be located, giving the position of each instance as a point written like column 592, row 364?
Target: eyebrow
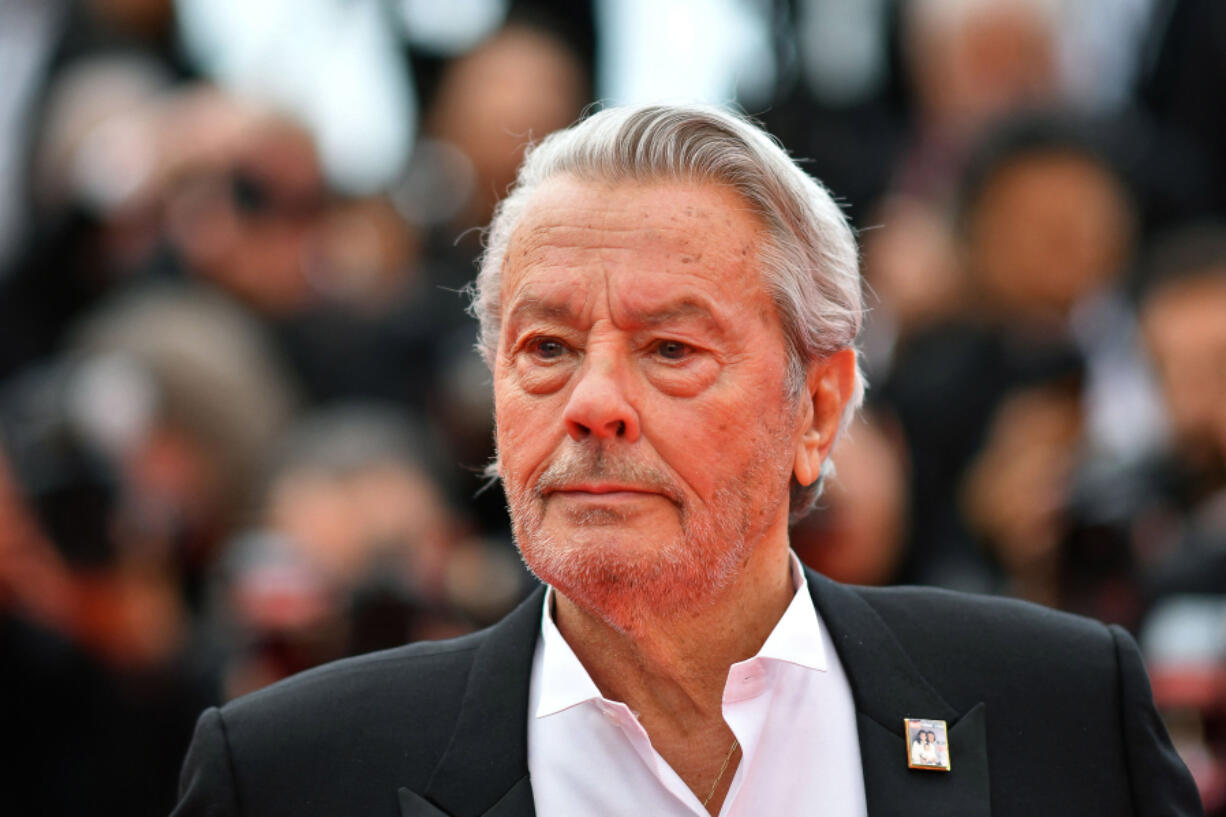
column 536, row 309
column 686, row 308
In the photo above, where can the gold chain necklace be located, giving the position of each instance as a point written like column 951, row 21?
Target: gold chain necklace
column 720, row 776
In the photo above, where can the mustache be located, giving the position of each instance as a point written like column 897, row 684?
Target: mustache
column 600, row 464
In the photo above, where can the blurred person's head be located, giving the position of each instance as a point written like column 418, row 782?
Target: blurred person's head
column 277, row 613
column 1183, row 318
column 95, row 159
column 354, row 486
column 911, row 264
column 359, row 491
column 1044, row 220
column 514, row 89
column 364, row 255
column 81, row 562
column 202, row 127
column 356, row 548
column 971, row 61
column 243, row 196
column 1017, row 491
column 186, row 390
column 71, row 485
column 97, row 143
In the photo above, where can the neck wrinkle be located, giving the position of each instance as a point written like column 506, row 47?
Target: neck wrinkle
column 675, row 668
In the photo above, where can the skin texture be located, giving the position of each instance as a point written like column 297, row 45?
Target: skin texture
column 646, row 442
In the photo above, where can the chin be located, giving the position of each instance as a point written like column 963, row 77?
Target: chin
column 623, row 575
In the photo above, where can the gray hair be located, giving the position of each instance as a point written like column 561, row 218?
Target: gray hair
column 808, row 256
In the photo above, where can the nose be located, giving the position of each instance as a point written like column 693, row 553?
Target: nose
column 599, row 405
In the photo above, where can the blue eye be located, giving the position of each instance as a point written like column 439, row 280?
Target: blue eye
column 547, row 348
column 672, row 349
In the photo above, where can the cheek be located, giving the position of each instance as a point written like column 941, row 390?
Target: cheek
column 541, row 380
column 690, row 380
column 523, row 430
column 715, row 444
column 696, row 442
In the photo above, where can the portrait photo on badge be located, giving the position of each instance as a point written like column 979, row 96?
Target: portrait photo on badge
column 927, row 744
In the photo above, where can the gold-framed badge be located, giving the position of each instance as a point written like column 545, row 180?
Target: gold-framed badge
column 927, row 744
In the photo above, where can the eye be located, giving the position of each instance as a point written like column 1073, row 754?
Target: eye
column 546, row 348
column 672, row 349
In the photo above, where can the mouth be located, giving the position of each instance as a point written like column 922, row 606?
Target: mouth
column 589, row 480
column 601, row 490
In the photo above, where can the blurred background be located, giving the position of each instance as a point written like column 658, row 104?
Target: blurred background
column 242, row 424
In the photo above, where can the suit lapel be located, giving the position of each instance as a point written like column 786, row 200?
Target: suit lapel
column 484, row 772
column 887, row 688
column 517, row 802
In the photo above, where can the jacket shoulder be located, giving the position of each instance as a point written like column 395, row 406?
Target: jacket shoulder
column 345, row 737
column 382, row 716
column 1042, row 674
column 978, row 647
column 930, row 610
column 406, row 672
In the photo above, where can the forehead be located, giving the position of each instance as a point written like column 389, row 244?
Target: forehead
column 648, row 239
column 1059, row 176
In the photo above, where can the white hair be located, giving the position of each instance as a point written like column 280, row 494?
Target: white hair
column 808, row 257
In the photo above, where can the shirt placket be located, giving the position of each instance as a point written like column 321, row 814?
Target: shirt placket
column 624, row 718
column 746, row 702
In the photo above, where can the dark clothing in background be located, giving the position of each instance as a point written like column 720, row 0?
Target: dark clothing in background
column 946, row 385
column 82, row 739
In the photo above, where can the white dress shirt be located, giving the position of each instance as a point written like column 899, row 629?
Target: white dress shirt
column 790, row 707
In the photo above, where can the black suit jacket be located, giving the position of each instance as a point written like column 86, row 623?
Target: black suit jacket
column 1048, row 714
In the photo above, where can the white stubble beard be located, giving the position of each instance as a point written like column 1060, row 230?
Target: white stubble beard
column 686, row 572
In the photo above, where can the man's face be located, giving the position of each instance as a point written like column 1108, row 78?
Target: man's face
column 1187, row 342
column 645, row 433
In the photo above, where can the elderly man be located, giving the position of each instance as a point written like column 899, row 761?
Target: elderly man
column 668, row 305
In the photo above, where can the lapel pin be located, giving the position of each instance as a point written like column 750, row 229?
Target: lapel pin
column 927, row 744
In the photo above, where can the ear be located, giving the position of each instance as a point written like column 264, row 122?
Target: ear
column 829, row 385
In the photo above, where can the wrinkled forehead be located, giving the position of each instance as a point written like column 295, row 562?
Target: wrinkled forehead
column 677, row 209
column 667, row 233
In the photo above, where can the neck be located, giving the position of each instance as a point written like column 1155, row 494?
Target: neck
column 670, row 666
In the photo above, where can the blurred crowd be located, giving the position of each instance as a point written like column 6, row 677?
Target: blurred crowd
column 242, row 426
